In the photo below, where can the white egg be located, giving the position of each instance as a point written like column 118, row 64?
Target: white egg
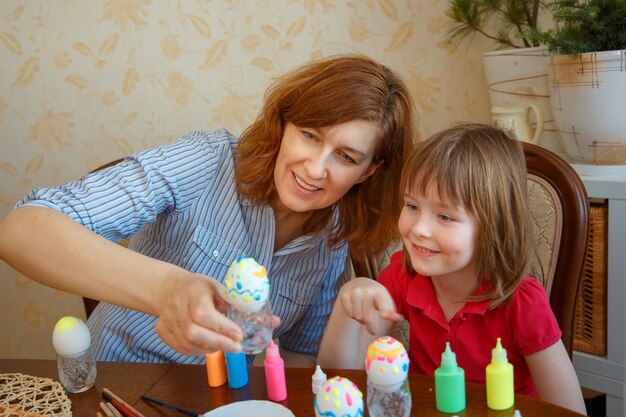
column 247, row 285
column 338, row 396
column 387, row 363
column 70, row 336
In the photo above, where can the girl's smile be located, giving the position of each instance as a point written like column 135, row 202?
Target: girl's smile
column 422, row 251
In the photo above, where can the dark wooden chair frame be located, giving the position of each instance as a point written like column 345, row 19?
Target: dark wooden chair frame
column 574, row 235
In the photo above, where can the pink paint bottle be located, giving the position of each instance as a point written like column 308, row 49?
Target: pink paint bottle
column 275, row 373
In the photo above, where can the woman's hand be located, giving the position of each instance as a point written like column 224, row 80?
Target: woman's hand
column 191, row 319
column 362, row 298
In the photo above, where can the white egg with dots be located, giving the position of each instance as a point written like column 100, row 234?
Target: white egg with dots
column 247, row 285
column 338, row 397
column 387, row 363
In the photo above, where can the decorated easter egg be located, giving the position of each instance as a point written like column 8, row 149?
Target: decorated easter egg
column 337, row 397
column 70, row 336
column 387, row 363
column 247, row 285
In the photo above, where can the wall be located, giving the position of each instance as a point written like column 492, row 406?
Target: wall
column 86, row 82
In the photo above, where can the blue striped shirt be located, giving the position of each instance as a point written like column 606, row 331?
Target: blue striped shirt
column 180, row 205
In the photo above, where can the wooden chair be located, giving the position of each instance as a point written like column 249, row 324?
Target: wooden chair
column 560, row 211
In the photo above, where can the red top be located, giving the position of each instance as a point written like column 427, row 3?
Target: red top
column 526, row 324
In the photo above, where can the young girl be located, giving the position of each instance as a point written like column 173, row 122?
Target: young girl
column 462, row 274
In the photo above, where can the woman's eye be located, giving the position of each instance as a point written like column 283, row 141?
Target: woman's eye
column 309, row 136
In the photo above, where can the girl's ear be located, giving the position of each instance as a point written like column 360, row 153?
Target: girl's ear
column 368, row 172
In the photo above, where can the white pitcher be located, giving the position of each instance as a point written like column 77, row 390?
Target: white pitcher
column 516, row 120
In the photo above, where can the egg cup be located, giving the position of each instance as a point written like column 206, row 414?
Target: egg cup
column 77, row 372
column 389, row 400
column 256, row 326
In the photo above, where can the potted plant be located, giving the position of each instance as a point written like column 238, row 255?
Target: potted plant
column 506, row 22
column 516, row 73
column 583, row 26
column 587, row 75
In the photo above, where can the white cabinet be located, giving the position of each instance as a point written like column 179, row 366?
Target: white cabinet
column 608, row 373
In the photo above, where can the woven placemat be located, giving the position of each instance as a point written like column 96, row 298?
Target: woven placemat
column 31, row 396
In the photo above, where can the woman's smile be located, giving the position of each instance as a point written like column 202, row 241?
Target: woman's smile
column 304, row 184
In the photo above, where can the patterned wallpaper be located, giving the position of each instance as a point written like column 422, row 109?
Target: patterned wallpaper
column 86, row 82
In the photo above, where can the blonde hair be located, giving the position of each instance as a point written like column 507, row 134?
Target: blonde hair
column 326, row 93
column 482, row 169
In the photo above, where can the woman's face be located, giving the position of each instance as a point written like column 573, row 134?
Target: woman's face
column 315, row 167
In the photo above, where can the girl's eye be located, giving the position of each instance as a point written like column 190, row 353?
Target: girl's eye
column 345, row 157
column 411, row 207
column 445, row 218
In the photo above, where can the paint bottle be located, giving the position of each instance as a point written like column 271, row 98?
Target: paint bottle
column 216, row 368
column 449, row 384
column 237, row 369
column 274, row 373
column 499, row 380
column 317, row 379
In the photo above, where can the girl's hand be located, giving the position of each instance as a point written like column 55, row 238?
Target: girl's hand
column 363, row 299
column 192, row 320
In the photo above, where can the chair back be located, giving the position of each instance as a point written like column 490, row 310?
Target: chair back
column 560, row 212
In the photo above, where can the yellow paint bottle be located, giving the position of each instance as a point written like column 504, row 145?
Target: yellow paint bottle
column 499, row 380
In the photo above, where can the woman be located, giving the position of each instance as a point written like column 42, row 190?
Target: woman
column 313, row 175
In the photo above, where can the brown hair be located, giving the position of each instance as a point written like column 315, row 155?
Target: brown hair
column 482, row 169
column 326, row 93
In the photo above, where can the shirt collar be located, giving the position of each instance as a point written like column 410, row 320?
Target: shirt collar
column 307, row 243
column 421, row 294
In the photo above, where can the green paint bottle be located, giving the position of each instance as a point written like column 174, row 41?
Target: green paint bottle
column 449, row 384
column 499, row 380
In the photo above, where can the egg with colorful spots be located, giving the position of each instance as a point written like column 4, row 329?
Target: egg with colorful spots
column 387, row 363
column 338, row 397
column 246, row 285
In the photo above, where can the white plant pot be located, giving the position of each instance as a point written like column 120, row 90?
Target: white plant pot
column 519, row 77
column 588, row 96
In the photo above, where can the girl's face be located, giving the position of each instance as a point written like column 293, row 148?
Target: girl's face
column 316, row 167
column 440, row 238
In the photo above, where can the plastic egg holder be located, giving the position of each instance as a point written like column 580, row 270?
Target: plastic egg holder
column 338, row 396
column 387, row 367
column 247, row 289
column 72, row 341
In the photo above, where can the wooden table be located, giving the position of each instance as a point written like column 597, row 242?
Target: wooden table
column 186, row 386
